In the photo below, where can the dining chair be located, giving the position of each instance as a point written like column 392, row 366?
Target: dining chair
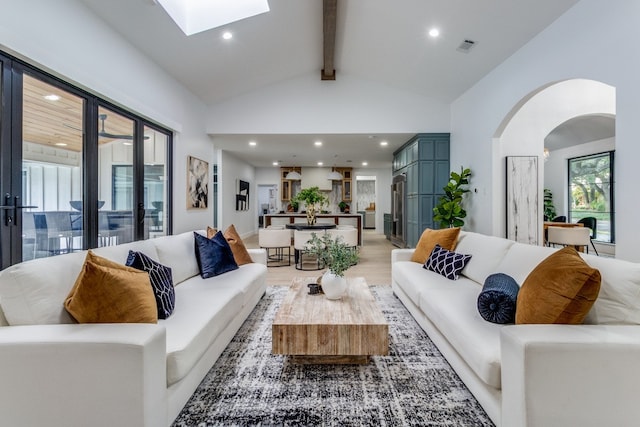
column 570, row 236
column 304, row 261
column 277, row 240
column 591, row 223
column 28, row 236
column 560, row 218
column 348, row 235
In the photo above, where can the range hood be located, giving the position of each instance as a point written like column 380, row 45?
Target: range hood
column 316, row 177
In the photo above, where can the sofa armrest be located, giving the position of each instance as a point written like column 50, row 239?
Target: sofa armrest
column 101, row 374
column 578, row 375
column 401, row 255
column 258, row 255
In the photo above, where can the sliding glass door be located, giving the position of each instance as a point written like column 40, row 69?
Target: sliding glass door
column 155, row 182
column 7, row 211
column 76, row 172
column 51, row 173
column 115, row 164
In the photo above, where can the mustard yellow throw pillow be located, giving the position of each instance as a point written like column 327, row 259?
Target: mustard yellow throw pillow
column 447, row 238
column 561, row 289
column 240, row 253
column 108, row 292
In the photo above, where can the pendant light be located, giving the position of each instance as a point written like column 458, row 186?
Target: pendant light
column 334, row 175
column 293, row 175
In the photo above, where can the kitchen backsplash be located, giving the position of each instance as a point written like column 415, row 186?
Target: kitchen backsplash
column 366, row 194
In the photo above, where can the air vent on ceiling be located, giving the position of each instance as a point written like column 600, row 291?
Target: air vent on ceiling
column 466, row 46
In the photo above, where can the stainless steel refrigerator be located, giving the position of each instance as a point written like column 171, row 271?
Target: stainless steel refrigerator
column 398, row 220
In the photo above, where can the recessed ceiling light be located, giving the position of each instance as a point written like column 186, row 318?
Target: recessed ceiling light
column 320, row 163
column 434, row 32
column 52, row 97
column 127, row 143
column 275, row 163
column 253, row 143
column 384, row 143
column 318, row 143
column 227, row 35
column 364, row 163
column 61, row 144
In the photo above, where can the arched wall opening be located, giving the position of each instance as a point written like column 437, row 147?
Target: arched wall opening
column 524, row 129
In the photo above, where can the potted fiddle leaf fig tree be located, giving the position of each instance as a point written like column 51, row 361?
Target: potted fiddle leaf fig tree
column 448, row 211
column 313, row 200
column 549, row 207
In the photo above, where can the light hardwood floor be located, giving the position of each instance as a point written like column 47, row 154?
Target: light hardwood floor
column 374, row 264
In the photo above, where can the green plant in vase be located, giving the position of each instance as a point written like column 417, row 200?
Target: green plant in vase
column 313, row 199
column 449, row 212
column 337, row 256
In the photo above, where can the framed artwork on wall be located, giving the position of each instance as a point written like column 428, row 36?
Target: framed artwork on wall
column 242, row 195
column 522, row 199
column 197, row 183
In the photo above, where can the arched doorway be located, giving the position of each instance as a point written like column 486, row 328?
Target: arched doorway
column 524, row 130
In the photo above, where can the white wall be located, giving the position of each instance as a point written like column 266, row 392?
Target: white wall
column 231, row 169
column 66, row 39
column 589, row 41
column 527, row 126
column 346, row 105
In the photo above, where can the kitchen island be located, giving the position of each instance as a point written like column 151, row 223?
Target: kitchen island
column 338, row 219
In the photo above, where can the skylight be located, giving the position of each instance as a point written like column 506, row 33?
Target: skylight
column 195, row 16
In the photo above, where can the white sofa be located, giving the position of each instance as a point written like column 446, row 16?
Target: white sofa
column 532, row 375
column 57, row 373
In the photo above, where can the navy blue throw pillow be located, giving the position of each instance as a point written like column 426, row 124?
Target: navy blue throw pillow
column 497, row 301
column 446, row 263
column 161, row 281
column 214, row 255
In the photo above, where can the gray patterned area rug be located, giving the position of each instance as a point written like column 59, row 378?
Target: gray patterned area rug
column 412, row 386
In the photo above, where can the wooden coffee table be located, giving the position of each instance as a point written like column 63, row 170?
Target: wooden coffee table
column 313, row 329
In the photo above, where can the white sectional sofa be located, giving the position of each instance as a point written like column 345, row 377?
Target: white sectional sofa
column 532, row 375
column 55, row 372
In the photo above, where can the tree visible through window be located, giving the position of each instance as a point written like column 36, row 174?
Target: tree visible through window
column 591, row 192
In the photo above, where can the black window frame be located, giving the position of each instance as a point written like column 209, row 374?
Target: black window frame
column 611, row 154
column 13, row 70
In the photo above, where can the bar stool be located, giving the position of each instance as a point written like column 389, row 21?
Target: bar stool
column 276, row 239
column 300, row 240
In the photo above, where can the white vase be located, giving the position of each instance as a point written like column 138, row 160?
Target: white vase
column 333, row 286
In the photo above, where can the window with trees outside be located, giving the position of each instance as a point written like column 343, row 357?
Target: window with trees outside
column 591, row 193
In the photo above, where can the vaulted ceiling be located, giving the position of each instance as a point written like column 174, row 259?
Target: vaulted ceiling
column 380, row 41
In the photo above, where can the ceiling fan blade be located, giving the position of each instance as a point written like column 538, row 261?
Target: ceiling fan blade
column 113, row 136
column 104, row 134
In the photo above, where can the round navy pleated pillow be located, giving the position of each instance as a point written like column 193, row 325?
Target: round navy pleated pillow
column 497, row 301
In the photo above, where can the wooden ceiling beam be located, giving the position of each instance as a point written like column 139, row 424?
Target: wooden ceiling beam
column 329, row 11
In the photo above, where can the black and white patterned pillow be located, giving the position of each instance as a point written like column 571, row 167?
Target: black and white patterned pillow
column 446, row 263
column 161, row 281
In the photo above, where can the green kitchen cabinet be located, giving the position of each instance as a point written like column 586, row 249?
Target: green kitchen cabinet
column 424, row 160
